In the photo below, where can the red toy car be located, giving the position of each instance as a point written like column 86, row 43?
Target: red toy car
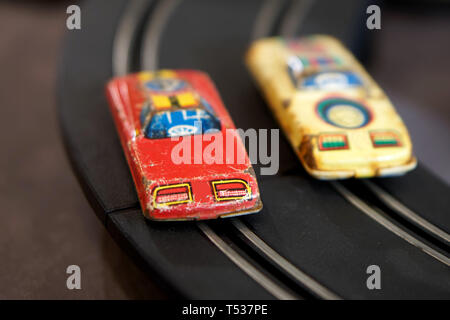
column 153, row 112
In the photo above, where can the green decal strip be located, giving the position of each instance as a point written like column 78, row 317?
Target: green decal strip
column 385, row 142
column 329, row 145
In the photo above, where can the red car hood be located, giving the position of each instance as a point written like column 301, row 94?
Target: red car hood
column 155, row 158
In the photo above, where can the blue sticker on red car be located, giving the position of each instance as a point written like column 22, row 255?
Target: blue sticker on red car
column 167, row 124
column 165, row 84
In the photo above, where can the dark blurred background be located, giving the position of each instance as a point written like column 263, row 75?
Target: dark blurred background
column 46, row 223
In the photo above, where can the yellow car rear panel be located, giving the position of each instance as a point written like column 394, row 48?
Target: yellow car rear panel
column 338, row 120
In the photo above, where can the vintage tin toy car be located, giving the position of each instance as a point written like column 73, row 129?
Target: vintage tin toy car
column 337, row 119
column 168, row 115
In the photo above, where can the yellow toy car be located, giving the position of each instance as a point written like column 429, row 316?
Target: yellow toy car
column 338, row 120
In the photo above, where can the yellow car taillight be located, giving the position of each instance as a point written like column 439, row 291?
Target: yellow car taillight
column 333, row 142
column 235, row 189
column 172, row 194
column 382, row 139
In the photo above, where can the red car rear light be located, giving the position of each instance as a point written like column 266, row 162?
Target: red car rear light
column 172, row 194
column 235, row 189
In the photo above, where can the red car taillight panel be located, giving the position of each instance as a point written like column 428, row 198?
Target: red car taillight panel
column 172, row 194
column 234, row 189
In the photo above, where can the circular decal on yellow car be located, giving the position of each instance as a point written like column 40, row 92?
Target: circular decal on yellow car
column 344, row 113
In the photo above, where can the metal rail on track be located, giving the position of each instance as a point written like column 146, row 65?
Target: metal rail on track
column 372, row 213
column 407, row 213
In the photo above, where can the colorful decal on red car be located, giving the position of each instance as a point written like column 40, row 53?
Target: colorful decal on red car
column 165, row 84
column 182, row 100
column 177, row 123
